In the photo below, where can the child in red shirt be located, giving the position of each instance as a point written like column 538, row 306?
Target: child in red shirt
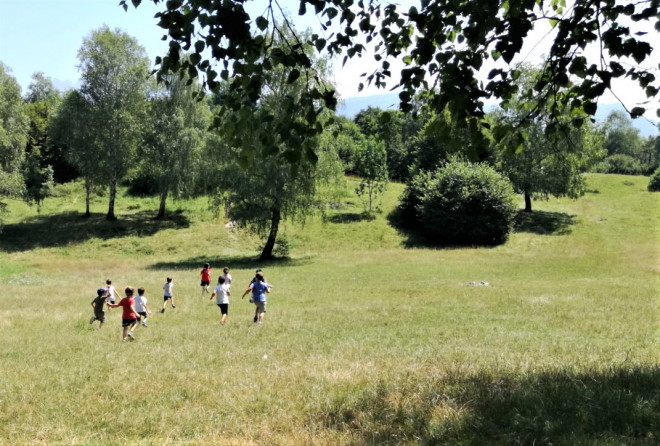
column 206, row 278
column 128, row 315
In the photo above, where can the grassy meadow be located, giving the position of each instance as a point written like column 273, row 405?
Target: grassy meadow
column 369, row 337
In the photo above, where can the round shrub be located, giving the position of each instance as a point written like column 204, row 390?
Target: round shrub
column 654, row 182
column 462, row 204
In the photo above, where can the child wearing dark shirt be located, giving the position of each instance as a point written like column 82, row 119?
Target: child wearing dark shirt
column 97, row 305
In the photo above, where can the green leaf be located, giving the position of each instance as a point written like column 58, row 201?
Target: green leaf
column 589, row 108
column 293, row 76
column 637, row 112
column 262, row 23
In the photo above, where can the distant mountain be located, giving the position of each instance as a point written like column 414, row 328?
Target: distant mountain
column 645, row 126
column 390, row 101
column 352, row 106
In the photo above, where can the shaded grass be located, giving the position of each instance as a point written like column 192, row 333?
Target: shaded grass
column 544, row 223
column 241, row 262
column 72, row 228
column 350, row 217
column 613, row 406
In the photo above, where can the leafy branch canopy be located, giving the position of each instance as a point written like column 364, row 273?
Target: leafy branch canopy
column 443, row 43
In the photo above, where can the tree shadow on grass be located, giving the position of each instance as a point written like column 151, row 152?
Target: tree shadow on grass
column 233, row 262
column 72, row 227
column 544, row 223
column 620, row 406
column 350, row 217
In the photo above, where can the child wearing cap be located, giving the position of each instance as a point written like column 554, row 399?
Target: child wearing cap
column 97, row 305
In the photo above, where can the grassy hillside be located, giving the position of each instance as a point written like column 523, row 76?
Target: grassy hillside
column 368, row 339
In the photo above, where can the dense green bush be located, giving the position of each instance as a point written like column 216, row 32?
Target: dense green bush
column 621, row 164
column 460, row 204
column 654, row 182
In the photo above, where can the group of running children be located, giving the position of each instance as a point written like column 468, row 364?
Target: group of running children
column 135, row 309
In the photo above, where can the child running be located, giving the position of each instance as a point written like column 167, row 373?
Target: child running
column 168, row 294
column 259, row 289
column 112, row 292
column 226, row 276
column 141, row 307
column 128, row 315
column 97, row 305
column 206, row 278
column 222, row 292
column 259, row 271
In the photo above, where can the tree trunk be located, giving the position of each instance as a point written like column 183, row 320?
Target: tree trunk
column 88, row 193
column 371, row 191
column 161, row 209
column 111, row 205
column 267, row 252
column 528, row 202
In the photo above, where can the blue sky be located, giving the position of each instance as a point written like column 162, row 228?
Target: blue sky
column 45, row 35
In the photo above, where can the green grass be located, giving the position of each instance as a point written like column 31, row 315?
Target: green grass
column 366, row 341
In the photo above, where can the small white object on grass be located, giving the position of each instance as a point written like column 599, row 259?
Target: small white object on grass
column 265, row 357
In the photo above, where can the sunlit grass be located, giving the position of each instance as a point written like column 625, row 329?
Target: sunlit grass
column 365, row 340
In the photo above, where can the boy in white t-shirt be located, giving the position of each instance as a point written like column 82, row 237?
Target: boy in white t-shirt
column 168, row 294
column 221, row 291
column 112, row 291
column 141, row 307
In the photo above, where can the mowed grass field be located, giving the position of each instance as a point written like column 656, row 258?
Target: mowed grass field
column 369, row 338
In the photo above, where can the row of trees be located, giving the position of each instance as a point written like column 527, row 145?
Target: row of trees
column 541, row 164
column 122, row 126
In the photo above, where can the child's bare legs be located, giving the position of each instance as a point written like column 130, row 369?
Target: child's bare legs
column 171, row 300
column 259, row 312
column 128, row 331
column 223, row 321
column 124, row 332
